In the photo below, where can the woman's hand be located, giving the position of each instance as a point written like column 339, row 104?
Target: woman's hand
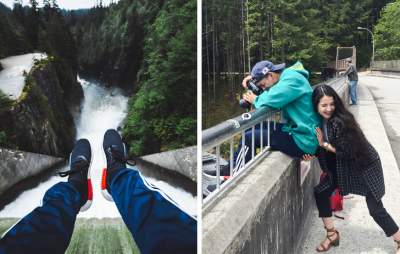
column 244, row 82
column 308, row 157
column 320, row 136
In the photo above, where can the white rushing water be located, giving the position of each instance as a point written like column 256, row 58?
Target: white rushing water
column 102, row 109
column 12, row 79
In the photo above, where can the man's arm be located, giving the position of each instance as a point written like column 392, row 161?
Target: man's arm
column 283, row 93
column 349, row 70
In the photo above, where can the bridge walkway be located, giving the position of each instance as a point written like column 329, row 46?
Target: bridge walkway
column 359, row 233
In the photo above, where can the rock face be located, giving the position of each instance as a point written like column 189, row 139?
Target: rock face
column 40, row 120
column 17, row 165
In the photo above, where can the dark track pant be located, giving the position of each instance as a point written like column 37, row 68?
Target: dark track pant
column 279, row 141
column 376, row 209
column 156, row 224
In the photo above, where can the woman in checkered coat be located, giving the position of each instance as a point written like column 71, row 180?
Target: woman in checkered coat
column 351, row 164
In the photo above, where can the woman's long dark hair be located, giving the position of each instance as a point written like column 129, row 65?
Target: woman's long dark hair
column 351, row 131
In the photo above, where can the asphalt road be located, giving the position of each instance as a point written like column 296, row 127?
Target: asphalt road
column 386, row 94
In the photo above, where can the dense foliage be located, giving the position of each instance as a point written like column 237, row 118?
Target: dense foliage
column 162, row 114
column 387, row 33
column 110, row 40
column 26, row 29
column 148, row 47
column 12, row 39
column 239, row 33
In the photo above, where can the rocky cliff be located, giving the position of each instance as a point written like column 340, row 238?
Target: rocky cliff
column 40, row 120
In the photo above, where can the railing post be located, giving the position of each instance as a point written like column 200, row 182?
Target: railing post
column 262, row 136
column 243, row 149
column 231, row 157
column 218, row 167
column 253, row 129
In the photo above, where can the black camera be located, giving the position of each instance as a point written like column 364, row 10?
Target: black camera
column 250, row 85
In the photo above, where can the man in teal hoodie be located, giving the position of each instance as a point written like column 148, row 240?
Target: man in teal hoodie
column 288, row 90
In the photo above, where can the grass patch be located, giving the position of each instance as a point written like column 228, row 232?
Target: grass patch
column 102, row 236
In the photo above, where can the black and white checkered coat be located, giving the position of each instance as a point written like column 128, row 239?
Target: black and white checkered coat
column 351, row 178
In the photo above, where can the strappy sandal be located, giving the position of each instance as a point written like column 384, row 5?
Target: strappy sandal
column 321, row 247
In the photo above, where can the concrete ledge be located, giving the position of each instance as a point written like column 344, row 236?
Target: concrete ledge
column 182, row 161
column 391, row 65
column 18, row 165
column 257, row 214
column 267, row 209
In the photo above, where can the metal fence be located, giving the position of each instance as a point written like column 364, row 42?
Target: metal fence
column 227, row 134
column 219, row 147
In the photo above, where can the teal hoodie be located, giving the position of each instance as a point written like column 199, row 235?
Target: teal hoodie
column 292, row 95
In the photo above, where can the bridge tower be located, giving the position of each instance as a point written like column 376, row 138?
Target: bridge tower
column 343, row 53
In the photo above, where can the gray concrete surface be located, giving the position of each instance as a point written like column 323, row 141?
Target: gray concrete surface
column 384, row 74
column 182, row 161
column 386, row 93
column 260, row 210
column 267, row 209
column 17, row 165
column 393, row 65
column 359, row 233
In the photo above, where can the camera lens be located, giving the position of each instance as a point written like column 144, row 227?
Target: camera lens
column 244, row 104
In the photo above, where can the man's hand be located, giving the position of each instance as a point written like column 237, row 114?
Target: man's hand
column 250, row 97
column 244, row 82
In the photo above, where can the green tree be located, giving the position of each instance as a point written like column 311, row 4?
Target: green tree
column 162, row 114
column 387, row 33
column 32, row 24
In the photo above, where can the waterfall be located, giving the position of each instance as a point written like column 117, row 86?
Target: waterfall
column 102, row 108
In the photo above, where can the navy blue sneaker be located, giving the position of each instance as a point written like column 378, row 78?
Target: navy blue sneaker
column 116, row 157
column 79, row 175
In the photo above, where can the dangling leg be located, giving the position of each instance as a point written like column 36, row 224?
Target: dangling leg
column 383, row 219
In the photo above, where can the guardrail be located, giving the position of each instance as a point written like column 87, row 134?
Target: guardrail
column 227, row 132
column 391, row 66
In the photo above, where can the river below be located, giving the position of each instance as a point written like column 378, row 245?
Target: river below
column 102, row 108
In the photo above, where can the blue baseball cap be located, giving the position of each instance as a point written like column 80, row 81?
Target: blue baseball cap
column 262, row 68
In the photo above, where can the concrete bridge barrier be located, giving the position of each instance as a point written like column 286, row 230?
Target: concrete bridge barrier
column 18, row 165
column 266, row 209
column 391, row 66
column 182, row 161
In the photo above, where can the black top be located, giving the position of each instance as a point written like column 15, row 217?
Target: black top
column 357, row 176
column 351, row 73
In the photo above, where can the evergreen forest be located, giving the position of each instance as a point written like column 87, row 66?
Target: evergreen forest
column 237, row 34
column 148, row 48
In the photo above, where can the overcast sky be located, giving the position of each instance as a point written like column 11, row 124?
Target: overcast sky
column 65, row 4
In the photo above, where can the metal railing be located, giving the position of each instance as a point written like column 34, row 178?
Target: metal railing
column 228, row 132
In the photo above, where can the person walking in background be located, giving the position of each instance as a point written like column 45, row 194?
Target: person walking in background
column 352, row 75
column 350, row 163
column 156, row 223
